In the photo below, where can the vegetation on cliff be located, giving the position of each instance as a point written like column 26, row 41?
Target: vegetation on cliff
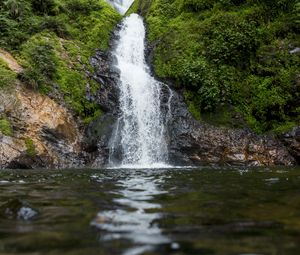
column 53, row 40
column 234, row 59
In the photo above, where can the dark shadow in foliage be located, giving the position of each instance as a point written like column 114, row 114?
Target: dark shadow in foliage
column 42, row 7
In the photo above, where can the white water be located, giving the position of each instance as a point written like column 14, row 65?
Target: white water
column 131, row 219
column 121, row 5
column 140, row 131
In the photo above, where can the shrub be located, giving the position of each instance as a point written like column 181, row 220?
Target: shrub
column 230, row 39
column 196, row 5
column 83, row 7
column 16, row 8
column 40, row 61
column 56, row 25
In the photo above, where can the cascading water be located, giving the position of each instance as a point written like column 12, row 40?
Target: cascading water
column 121, row 5
column 139, row 135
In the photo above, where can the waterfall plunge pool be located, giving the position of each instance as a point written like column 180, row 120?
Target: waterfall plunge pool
column 150, row 211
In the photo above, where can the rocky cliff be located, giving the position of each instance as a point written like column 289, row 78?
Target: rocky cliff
column 43, row 133
column 190, row 142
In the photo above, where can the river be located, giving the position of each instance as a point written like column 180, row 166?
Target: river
column 150, row 211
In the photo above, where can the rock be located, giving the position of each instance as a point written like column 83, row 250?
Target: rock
column 292, row 142
column 11, row 62
column 107, row 76
column 190, row 142
column 17, row 209
column 97, row 137
column 193, row 143
column 45, row 134
column 98, row 133
column 295, row 50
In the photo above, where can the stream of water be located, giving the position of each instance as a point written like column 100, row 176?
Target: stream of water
column 150, row 212
column 140, row 133
column 121, row 5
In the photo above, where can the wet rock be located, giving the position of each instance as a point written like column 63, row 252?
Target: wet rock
column 97, row 137
column 292, row 142
column 194, row 143
column 107, row 77
column 25, row 161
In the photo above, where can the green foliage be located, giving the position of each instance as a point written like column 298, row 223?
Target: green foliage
column 56, row 25
column 7, row 77
column 5, row 127
column 73, row 85
column 30, row 147
column 82, row 7
column 230, row 39
column 15, row 8
column 42, row 7
column 53, row 41
column 41, row 62
column 196, row 5
column 233, row 54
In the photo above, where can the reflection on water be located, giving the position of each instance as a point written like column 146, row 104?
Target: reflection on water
column 150, row 212
column 134, row 219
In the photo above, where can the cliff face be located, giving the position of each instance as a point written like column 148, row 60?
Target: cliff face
column 44, row 134
column 47, row 88
column 36, row 131
column 190, row 142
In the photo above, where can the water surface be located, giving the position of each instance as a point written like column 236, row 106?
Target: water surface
column 167, row 211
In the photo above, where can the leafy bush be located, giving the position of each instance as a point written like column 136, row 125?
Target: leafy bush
column 196, row 5
column 56, row 25
column 83, row 7
column 15, row 8
column 41, row 62
column 230, row 39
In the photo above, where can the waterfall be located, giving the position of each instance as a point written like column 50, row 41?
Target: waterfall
column 139, row 135
column 121, row 5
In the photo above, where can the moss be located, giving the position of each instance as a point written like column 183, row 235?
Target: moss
column 229, row 53
column 57, row 39
column 5, row 127
column 30, row 147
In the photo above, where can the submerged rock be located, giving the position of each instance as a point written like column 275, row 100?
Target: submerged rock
column 17, row 209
